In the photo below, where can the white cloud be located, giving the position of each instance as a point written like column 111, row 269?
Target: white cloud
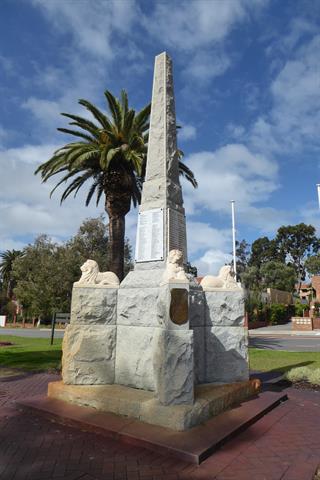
column 91, row 24
column 201, row 236
column 205, row 66
column 293, row 123
column 211, row 262
column 187, row 131
column 25, row 206
column 196, row 23
column 229, row 173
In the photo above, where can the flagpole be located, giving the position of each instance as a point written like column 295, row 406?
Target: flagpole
column 318, row 188
column 233, row 238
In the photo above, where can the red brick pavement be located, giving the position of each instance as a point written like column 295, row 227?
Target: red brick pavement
column 285, row 444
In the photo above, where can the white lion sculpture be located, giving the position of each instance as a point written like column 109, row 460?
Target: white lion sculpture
column 92, row 276
column 174, row 267
column 224, row 280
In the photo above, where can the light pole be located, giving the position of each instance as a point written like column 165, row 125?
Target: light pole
column 234, row 239
column 318, row 188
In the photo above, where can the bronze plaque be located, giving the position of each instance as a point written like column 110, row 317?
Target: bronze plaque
column 179, row 306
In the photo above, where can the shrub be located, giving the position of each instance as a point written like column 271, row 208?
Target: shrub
column 278, row 313
column 299, row 309
column 297, row 374
column 314, row 376
column 304, row 373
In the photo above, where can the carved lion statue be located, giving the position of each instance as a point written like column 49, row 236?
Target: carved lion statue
column 174, row 267
column 92, row 276
column 225, row 280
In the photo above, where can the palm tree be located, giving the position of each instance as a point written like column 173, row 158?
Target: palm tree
column 112, row 154
column 6, row 266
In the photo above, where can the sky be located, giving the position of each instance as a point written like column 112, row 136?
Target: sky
column 247, row 87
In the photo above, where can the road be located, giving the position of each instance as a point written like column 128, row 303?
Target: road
column 31, row 332
column 267, row 341
column 286, row 342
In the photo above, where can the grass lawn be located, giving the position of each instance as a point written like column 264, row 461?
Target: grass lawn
column 282, row 361
column 34, row 354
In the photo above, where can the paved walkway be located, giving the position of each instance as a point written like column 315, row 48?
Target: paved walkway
column 285, row 329
column 285, row 444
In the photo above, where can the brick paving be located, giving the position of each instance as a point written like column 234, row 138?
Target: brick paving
column 285, row 444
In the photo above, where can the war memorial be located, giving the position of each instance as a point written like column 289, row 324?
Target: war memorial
column 157, row 347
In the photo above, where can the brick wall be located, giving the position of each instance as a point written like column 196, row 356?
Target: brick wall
column 315, row 282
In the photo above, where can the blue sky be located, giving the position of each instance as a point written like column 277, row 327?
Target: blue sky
column 247, row 84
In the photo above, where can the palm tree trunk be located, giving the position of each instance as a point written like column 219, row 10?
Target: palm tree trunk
column 116, row 244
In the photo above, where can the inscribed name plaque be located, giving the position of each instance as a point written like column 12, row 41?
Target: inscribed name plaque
column 177, row 232
column 149, row 244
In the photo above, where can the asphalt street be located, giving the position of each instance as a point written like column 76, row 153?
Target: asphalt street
column 31, row 332
column 286, row 342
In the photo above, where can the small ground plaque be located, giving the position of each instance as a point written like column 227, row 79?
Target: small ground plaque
column 149, row 244
column 179, row 306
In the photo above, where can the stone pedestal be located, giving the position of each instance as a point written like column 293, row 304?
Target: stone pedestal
column 90, row 340
column 224, row 337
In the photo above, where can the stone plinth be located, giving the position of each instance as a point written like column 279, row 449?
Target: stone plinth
column 220, row 338
column 90, row 340
column 94, row 305
column 210, row 400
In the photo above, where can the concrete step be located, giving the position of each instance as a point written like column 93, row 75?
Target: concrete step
column 194, row 445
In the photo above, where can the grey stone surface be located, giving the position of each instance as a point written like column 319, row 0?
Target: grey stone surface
column 94, row 305
column 173, row 367
column 226, row 354
column 162, row 188
column 134, row 356
column 225, row 308
column 197, row 306
column 143, row 276
column 89, row 354
column 199, row 354
column 137, row 306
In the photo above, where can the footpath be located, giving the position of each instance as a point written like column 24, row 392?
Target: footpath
column 281, row 330
column 285, row 444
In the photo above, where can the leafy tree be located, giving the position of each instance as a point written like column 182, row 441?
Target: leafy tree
column 276, row 275
column 46, row 272
column 251, row 278
column 264, row 250
column 112, row 155
column 312, row 264
column 7, row 259
column 242, row 256
column 295, row 243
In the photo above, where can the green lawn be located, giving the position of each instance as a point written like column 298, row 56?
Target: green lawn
column 267, row 360
column 34, row 354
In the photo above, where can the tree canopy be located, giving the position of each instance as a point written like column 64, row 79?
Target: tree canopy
column 45, row 272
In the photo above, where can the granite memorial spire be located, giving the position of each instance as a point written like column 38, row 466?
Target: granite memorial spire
column 161, row 225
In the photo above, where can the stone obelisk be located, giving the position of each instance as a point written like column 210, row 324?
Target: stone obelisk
column 161, row 225
column 143, row 304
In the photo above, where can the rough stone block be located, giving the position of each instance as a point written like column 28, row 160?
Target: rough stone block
column 134, row 356
column 196, row 307
column 143, row 276
column 225, row 308
column 199, row 354
column 89, row 354
column 226, row 354
column 137, row 307
column 173, row 367
column 94, row 305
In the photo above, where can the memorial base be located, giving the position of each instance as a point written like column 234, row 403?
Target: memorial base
column 210, row 400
